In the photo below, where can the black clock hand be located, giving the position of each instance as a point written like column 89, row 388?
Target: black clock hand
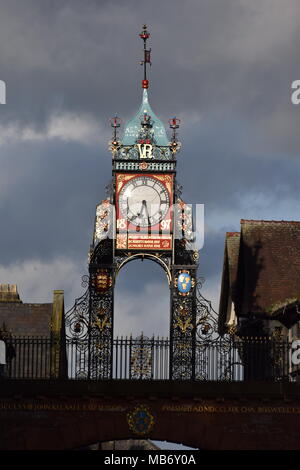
column 148, row 216
column 144, row 205
column 134, row 216
column 139, row 213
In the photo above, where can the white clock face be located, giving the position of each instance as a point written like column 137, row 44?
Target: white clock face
column 144, row 201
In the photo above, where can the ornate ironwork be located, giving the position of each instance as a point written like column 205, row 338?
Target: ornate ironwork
column 144, row 147
column 124, row 152
column 153, row 166
column 183, row 314
column 101, row 320
column 159, row 257
column 194, row 324
column 92, row 316
column 77, row 318
column 207, row 334
column 174, row 144
column 246, row 359
column 141, row 358
column 206, row 319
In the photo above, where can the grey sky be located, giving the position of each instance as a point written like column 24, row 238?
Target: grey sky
column 224, row 67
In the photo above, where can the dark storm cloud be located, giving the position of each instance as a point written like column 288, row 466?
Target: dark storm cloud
column 225, row 56
column 233, row 185
column 49, row 206
column 225, row 67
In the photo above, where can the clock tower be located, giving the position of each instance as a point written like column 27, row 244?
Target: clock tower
column 143, row 216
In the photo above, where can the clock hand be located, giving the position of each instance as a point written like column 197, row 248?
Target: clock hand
column 139, row 213
column 147, row 212
column 134, row 216
column 144, row 207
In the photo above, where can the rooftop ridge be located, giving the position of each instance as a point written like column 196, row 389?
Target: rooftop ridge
column 296, row 222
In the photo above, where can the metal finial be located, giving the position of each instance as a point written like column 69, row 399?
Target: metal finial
column 147, row 55
column 115, row 123
column 114, row 144
column 174, row 125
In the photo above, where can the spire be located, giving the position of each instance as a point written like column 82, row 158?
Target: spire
column 145, row 128
column 145, row 113
column 132, row 128
column 147, row 59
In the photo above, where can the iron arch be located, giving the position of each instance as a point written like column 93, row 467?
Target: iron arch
column 142, row 256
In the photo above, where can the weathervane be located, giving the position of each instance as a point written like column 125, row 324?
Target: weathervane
column 147, row 59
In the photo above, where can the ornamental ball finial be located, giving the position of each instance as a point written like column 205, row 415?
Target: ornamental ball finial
column 144, row 34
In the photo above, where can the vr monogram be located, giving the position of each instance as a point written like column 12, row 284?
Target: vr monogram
column 145, row 150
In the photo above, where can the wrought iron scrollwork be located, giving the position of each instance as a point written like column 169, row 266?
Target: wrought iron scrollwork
column 193, row 320
column 77, row 333
column 183, row 311
column 206, row 319
column 209, row 341
column 141, row 358
column 77, row 318
column 91, row 318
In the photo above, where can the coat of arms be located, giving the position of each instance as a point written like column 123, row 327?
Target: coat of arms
column 140, row 420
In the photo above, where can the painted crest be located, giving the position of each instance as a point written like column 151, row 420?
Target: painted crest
column 102, row 281
column 184, row 282
column 140, row 420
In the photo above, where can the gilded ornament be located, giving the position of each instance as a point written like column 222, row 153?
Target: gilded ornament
column 140, row 420
column 231, row 329
column 101, row 323
column 184, row 325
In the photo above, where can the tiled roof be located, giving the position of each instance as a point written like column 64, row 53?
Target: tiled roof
column 26, row 319
column 261, row 222
column 265, row 273
column 23, row 319
column 271, row 264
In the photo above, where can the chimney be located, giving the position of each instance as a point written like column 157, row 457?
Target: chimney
column 9, row 293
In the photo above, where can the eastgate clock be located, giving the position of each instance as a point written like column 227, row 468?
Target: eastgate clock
column 144, row 201
column 144, row 216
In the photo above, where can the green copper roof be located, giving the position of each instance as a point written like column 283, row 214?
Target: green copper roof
column 133, row 126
